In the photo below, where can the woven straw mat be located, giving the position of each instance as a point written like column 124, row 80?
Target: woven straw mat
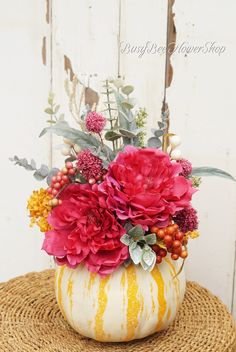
column 31, row 321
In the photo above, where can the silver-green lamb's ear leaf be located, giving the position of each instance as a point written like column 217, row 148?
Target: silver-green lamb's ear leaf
column 136, row 231
column 154, row 142
column 125, row 239
column 211, row 171
column 127, row 90
column 135, row 254
column 151, row 238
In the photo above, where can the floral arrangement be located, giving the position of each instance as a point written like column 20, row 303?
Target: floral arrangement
column 117, row 199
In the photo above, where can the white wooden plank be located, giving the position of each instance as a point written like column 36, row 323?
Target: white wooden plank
column 202, row 105
column 142, row 50
column 86, row 32
column 23, row 90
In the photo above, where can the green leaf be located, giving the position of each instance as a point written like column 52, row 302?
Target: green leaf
column 154, row 142
column 51, row 121
column 48, row 111
column 158, row 133
column 135, row 254
column 127, row 105
column 62, row 129
column 211, row 171
column 41, row 173
column 136, row 231
column 151, row 238
column 125, row 239
column 24, row 163
column 148, row 259
column 50, row 98
column 112, row 135
column 127, row 89
column 132, row 133
column 118, row 83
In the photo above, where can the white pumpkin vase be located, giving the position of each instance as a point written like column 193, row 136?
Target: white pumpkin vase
column 128, row 304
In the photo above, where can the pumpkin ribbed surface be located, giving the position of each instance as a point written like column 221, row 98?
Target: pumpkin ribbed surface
column 30, row 320
column 128, row 304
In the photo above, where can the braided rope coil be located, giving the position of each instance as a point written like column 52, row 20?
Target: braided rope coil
column 30, row 320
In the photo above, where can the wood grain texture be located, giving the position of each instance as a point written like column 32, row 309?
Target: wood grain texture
column 23, row 88
column 91, row 35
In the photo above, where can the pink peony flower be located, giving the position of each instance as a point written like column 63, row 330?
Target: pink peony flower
column 144, row 187
column 89, row 165
column 187, row 219
column 95, row 122
column 85, row 230
column 186, row 167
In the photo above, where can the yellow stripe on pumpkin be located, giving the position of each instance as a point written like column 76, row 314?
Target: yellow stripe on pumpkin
column 134, row 303
column 102, row 303
column 175, row 279
column 59, row 289
column 70, row 291
column 161, row 295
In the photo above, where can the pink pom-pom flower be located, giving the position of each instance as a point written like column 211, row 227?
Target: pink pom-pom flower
column 187, row 219
column 95, row 122
column 89, row 165
column 186, row 166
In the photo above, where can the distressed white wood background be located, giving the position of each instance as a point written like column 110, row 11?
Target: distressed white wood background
column 201, row 101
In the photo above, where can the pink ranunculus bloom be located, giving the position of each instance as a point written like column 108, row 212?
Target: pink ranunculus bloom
column 144, row 187
column 85, row 230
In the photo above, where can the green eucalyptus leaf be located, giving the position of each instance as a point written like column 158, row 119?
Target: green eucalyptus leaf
column 126, row 133
column 125, row 239
column 118, row 83
column 48, row 111
column 154, row 142
column 135, row 254
column 112, row 135
column 127, row 104
column 211, row 171
column 41, row 173
column 24, row 163
column 136, row 231
column 158, row 133
column 127, row 89
column 151, row 238
column 162, row 125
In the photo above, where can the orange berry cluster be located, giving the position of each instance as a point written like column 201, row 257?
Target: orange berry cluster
column 173, row 240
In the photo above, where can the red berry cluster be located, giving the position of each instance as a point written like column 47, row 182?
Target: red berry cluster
column 61, row 178
column 173, row 240
column 98, row 178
